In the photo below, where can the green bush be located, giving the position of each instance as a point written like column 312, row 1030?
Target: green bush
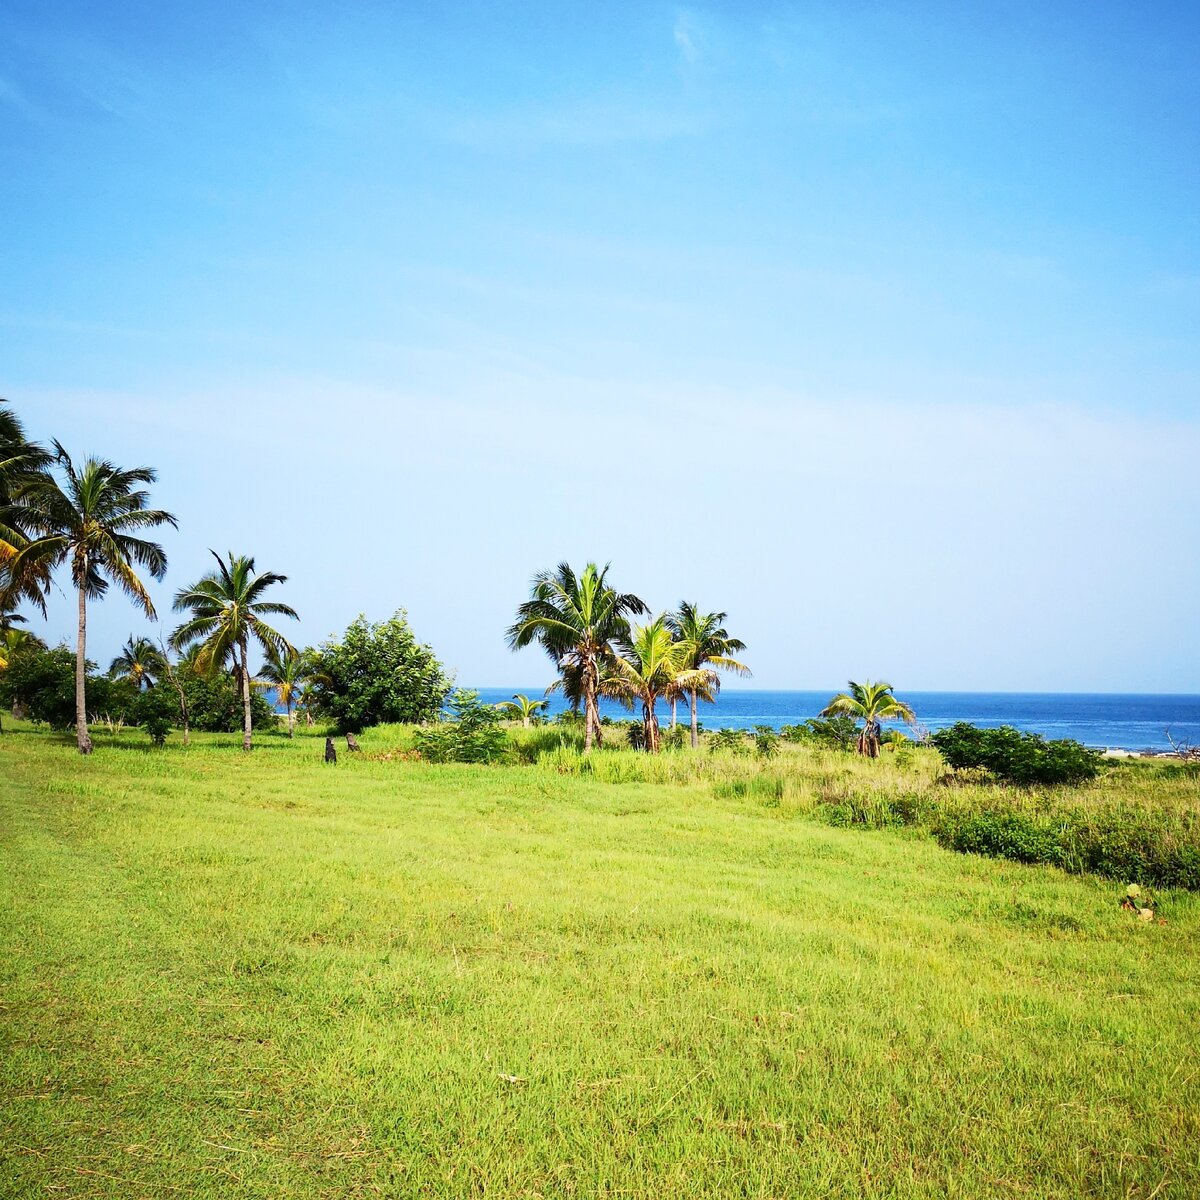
column 727, row 739
column 766, row 741
column 156, row 710
column 1015, row 757
column 472, row 736
column 836, row 733
column 1120, row 842
column 215, row 704
column 378, row 674
column 42, row 682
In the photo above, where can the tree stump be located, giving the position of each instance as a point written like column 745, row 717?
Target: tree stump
column 352, row 743
column 330, row 751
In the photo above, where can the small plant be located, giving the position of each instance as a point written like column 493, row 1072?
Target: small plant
column 1137, row 901
column 114, row 725
column 673, row 739
column 766, row 741
column 727, row 739
column 472, row 735
column 156, row 711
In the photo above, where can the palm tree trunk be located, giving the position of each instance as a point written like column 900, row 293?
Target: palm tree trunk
column 650, row 722
column 695, row 728
column 591, row 710
column 82, row 738
column 674, row 703
column 291, row 721
column 246, row 726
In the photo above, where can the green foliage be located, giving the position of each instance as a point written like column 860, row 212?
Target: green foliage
column 378, row 673
column 156, row 709
column 674, row 739
column 1120, row 842
column 838, row 733
column 1015, row 757
column 473, row 735
column 731, row 740
column 215, row 704
column 766, row 741
column 42, row 682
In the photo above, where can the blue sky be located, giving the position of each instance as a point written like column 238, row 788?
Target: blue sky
column 875, row 326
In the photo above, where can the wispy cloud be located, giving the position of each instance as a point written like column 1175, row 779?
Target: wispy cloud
column 686, row 35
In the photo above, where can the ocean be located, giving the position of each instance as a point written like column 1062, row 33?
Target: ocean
column 1103, row 720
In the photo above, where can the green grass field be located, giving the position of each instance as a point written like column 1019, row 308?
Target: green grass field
column 235, row 976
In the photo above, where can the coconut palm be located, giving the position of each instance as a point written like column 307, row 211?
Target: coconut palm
column 652, row 665
column 21, row 462
column 227, row 613
column 576, row 619
column 708, row 646
column 89, row 520
column 872, row 704
column 286, row 673
column 9, row 617
column 140, row 662
column 520, row 706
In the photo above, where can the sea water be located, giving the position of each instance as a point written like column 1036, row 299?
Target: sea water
column 1105, row 720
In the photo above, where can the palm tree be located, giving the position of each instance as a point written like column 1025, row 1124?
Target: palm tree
column 708, row 645
column 652, row 666
column 21, row 462
column 89, row 521
column 287, row 673
column 576, row 619
column 870, row 703
column 9, row 617
column 140, row 661
column 227, row 611
column 521, row 706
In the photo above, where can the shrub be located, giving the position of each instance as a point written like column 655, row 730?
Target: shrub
column 156, row 710
column 1015, row 757
column 472, row 736
column 766, row 741
column 42, row 682
column 837, row 733
column 727, row 739
column 674, row 739
column 215, row 704
column 1119, row 842
column 376, row 674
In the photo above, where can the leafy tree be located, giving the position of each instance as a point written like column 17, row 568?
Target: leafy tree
column 42, row 682
column 227, row 613
column 576, row 620
column 653, row 666
column 708, row 644
column 90, row 520
column 870, row 703
column 140, row 662
column 13, row 642
column 378, row 673
column 521, row 708
column 472, row 735
column 286, row 674
column 214, row 703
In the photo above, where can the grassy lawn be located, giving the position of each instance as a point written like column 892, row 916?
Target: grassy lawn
column 228, row 975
